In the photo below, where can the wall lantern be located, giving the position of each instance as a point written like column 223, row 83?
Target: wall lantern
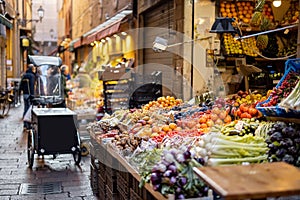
column 40, row 12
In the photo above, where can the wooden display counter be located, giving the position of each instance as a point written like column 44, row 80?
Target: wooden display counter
column 255, row 181
column 112, row 177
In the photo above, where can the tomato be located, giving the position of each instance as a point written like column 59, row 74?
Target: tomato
column 252, row 111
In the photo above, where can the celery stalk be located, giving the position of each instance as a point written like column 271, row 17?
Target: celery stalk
column 227, row 161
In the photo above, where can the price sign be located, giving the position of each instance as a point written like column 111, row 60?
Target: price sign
column 239, row 126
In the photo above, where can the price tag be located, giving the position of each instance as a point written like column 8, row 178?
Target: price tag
column 239, row 126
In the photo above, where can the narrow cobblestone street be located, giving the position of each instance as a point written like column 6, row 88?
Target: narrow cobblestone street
column 72, row 181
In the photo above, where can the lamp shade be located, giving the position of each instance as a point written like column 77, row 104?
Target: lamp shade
column 25, row 42
column 223, row 25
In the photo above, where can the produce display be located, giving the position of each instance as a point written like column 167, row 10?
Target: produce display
column 166, row 138
column 218, row 149
column 284, row 143
column 238, row 47
column 292, row 15
column 283, row 90
column 259, row 17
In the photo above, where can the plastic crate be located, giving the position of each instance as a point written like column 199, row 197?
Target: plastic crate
column 277, row 111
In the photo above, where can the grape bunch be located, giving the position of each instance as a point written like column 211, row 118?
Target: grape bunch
column 284, row 143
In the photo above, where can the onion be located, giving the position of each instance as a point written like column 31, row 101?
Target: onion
column 172, row 168
column 173, row 180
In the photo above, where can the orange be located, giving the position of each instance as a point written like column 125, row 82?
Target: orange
column 203, row 126
column 165, row 128
column 210, row 123
column 172, row 126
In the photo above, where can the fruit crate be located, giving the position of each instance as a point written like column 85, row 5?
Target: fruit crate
column 277, row 111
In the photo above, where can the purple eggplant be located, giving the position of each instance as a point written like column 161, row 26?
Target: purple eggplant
column 187, row 155
column 155, row 178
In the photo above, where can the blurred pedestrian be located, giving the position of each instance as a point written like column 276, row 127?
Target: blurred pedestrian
column 39, row 84
column 65, row 76
column 27, row 87
column 65, row 71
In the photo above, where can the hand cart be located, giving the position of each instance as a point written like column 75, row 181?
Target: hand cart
column 54, row 129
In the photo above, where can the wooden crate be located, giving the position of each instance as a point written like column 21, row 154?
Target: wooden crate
column 94, row 179
column 122, row 187
column 110, row 195
column 101, row 187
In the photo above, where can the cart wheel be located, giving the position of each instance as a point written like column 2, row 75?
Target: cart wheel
column 85, row 149
column 77, row 156
column 30, row 148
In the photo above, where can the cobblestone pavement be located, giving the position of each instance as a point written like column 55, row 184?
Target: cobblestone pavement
column 14, row 173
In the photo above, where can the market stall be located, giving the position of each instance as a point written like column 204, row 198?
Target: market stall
column 151, row 152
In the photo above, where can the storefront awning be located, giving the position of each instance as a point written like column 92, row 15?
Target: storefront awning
column 5, row 22
column 105, row 29
column 77, row 43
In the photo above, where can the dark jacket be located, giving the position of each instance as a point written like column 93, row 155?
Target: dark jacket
column 27, row 82
column 64, row 85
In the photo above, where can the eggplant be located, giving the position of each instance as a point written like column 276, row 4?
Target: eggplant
column 280, row 153
column 288, row 159
column 288, row 132
column 187, row 155
column 155, row 178
column 277, row 136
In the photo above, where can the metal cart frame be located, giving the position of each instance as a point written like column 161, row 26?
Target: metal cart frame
column 54, row 130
